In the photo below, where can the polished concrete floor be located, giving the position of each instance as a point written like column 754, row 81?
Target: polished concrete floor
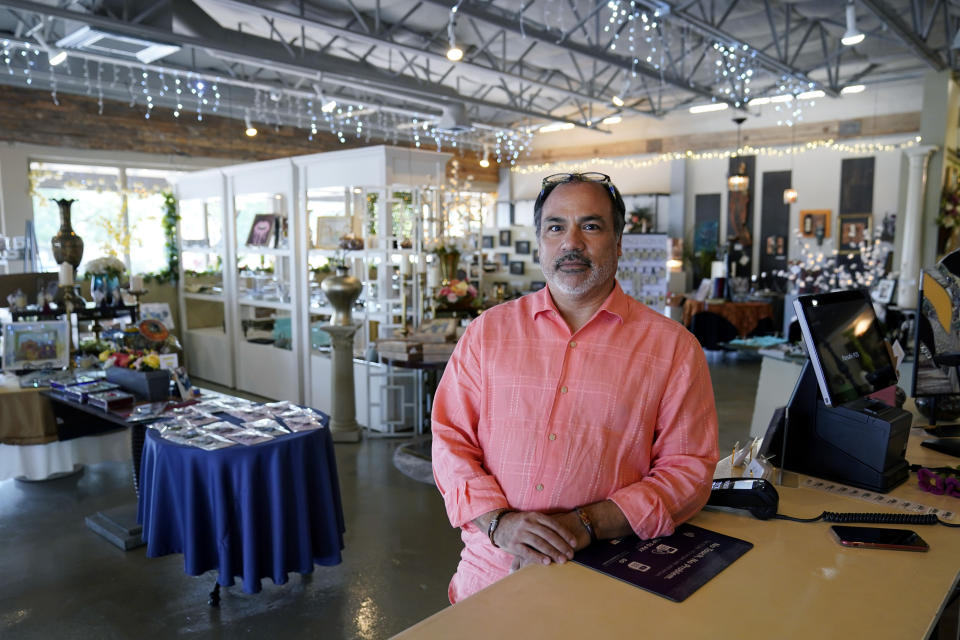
column 62, row 581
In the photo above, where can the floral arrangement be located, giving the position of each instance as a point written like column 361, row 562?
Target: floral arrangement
column 105, row 266
column 447, row 246
column 821, row 273
column 457, row 291
column 949, row 208
column 130, row 359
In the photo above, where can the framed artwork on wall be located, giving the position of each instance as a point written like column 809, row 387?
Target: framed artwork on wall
column 487, row 242
column 523, row 246
column 505, row 238
column 854, row 229
column 813, row 219
column 517, row 268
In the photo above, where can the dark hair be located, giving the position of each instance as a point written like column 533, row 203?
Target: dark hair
column 618, row 209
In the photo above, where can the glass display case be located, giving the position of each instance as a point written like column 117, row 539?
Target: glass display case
column 208, row 348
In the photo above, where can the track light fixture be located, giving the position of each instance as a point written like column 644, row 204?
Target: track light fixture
column 852, row 35
column 454, row 53
column 485, row 160
column 251, row 130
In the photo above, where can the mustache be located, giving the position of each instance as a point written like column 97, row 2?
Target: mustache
column 572, row 257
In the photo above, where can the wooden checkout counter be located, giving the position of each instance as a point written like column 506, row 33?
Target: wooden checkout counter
column 797, row 582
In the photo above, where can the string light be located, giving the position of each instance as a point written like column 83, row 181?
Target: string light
column 747, row 150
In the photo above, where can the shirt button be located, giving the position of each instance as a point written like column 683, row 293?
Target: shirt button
column 563, row 389
column 573, row 344
column 539, row 487
column 553, row 437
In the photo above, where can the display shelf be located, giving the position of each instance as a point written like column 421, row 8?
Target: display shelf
column 265, row 304
column 309, row 203
column 263, row 251
column 204, row 250
column 209, row 297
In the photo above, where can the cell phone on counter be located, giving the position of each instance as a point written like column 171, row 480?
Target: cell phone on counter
column 879, row 538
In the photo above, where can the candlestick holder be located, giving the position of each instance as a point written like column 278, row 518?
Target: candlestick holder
column 70, row 302
column 137, row 295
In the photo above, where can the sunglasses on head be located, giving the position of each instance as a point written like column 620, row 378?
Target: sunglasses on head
column 589, row 176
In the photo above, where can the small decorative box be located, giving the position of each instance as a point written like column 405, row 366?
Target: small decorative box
column 110, row 400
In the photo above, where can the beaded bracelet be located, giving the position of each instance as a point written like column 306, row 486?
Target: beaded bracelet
column 585, row 521
column 495, row 522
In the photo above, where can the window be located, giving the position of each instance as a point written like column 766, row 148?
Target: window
column 117, row 211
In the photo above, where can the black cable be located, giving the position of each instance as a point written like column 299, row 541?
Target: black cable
column 872, row 518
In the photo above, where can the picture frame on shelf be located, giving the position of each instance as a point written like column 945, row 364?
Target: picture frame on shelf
column 505, row 238
column 517, row 268
column 854, row 228
column 503, row 259
column 329, row 230
column 522, row 247
column 262, row 233
column 883, row 292
column 812, row 219
column 536, row 256
column 487, row 242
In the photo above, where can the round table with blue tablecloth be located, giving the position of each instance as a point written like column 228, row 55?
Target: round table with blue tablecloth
column 258, row 511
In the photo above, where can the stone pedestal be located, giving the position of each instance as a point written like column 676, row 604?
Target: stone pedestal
column 343, row 417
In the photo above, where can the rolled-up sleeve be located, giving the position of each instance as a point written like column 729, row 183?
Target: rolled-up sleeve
column 467, row 487
column 684, row 453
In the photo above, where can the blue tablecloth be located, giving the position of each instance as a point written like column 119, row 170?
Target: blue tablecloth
column 255, row 512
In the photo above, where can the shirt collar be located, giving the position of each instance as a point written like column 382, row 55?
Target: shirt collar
column 616, row 304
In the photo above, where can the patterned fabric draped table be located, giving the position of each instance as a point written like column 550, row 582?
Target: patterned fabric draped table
column 742, row 315
column 258, row 511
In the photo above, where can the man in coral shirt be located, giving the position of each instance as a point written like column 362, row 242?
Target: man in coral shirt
column 574, row 413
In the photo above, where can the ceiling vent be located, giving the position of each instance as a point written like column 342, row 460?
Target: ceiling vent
column 454, row 119
column 110, row 44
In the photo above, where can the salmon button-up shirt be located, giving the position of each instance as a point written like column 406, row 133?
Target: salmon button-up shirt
column 530, row 417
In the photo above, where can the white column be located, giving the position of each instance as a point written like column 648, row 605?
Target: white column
column 911, row 248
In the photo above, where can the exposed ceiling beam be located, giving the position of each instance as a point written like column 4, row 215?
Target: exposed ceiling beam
column 592, row 53
column 770, row 62
column 463, row 67
column 261, row 52
column 884, row 12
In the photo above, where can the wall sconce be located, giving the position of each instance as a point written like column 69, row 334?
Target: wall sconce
column 789, row 195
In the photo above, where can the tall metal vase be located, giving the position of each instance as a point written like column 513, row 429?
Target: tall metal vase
column 67, row 245
column 449, row 262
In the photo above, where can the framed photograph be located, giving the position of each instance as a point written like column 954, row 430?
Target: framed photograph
column 813, row 219
column 522, row 246
column 517, row 268
column 261, row 231
column 854, row 229
column 487, row 242
column 536, row 256
column 157, row 311
column 504, row 259
column 883, row 292
column 536, row 285
column 505, row 238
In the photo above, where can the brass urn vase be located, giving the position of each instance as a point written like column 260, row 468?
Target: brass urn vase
column 67, row 245
column 342, row 290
